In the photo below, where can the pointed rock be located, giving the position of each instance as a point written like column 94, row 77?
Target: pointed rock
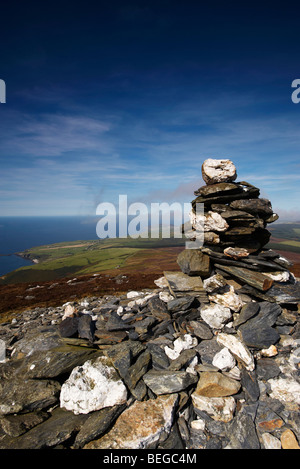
column 242, row 432
column 238, row 349
column 257, row 332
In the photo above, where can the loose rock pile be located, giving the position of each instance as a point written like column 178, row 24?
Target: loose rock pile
column 209, row 359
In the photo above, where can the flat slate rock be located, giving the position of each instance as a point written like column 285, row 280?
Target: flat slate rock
column 97, row 424
column 227, row 196
column 243, row 433
column 247, row 312
column 86, row 327
column 258, row 331
column 261, row 207
column 26, row 395
column 168, row 381
column 58, row 428
column 181, row 284
column 285, row 293
column 218, row 189
column 180, row 304
column 54, row 362
column 178, row 281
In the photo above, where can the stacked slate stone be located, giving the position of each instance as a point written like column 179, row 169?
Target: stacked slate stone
column 234, row 222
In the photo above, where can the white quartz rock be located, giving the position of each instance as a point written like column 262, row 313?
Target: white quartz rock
column 229, row 299
column 224, row 360
column 180, row 344
column 214, row 222
column 141, row 301
column 70, row 311
column 133, row 294
column 206, row 223
column 214, row 171
column 84, row 303
column 278, row 276
column 269, row 352
column 165, row 296
column 285, row 389
column 215, row 315
column 92, row 386
column 192, row 365
column 237, row 348
column 2, row 351
column 198, row 424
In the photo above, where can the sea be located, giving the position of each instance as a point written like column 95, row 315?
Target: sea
column 20, row 233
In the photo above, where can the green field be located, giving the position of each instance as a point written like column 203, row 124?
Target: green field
column 77, row 258
column 287, row 237
column 296, row 244
column 289, row 231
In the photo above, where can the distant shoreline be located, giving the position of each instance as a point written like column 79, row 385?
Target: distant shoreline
column 25, row 256
column 22, row 256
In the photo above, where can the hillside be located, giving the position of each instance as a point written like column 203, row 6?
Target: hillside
column 77, row 258
column 86, row 268
column 285, row 239
column 111, row 270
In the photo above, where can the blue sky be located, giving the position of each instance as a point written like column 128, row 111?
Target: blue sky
column 114, row 98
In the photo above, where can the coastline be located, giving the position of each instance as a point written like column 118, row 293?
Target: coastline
column 11, row 262
column 26, row 256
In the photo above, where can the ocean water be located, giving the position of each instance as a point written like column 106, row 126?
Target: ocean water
column 20, row 233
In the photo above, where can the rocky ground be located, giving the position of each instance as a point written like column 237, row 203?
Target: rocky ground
column 209, row 358
column 148, row 370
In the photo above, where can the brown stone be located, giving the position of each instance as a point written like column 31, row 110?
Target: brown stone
column 214, row 384
column 255, row 279
column 106, row 337
column 270, row 425
column 140, row 425
column 288, row 440
column 236, row 253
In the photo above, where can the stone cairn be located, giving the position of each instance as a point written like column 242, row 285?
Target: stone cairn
column 207, row 360
column 233, row 224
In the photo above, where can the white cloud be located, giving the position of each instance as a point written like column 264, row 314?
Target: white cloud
column 153, row 156
column 286, row 215
column 53, row 135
